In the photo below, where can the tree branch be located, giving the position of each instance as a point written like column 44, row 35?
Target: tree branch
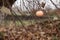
column 54, row 4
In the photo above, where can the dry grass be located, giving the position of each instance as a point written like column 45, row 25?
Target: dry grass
column 47, row 30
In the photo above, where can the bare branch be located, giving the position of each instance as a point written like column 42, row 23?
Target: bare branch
column 54, row 4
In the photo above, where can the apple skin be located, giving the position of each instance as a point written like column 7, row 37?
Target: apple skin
column 39, row 13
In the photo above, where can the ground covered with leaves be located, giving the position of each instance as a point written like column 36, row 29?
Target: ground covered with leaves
column 40, row 30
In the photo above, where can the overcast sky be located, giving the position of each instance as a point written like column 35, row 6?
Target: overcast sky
column 47, row 3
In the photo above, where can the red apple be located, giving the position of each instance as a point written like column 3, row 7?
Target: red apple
column 39, row 13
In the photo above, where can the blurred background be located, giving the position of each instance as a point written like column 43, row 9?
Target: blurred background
column 20, row 20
